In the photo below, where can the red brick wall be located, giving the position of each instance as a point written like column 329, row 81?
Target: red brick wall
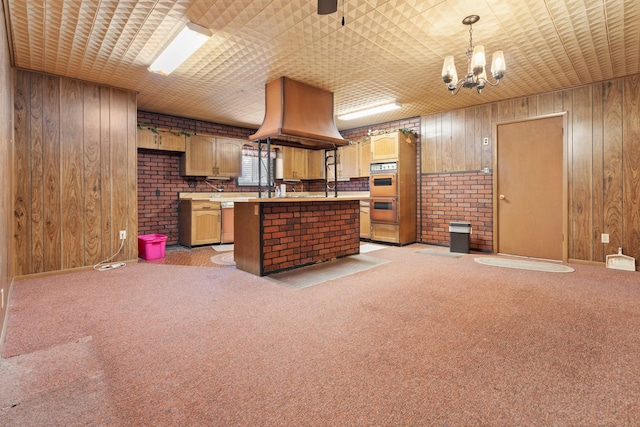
column 158, row 187
column 354, row 184
column 305, row 233
column 357, row 134
column 459, row 196
column 191, row 126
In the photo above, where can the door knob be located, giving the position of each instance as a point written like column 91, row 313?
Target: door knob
column 502, row 197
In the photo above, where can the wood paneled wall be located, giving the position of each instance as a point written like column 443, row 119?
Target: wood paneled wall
column 75, row 173
column 603, row 156
column 6, row 175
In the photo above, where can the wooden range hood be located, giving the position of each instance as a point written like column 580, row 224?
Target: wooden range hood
column 298, row 115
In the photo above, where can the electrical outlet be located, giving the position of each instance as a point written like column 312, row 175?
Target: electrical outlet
column 604, row 238
column 123, row 234
column 485, row 141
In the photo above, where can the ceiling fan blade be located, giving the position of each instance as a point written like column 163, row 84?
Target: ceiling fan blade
column 326, row 7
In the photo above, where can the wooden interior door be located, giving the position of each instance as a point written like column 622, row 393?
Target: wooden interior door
column 529, row 188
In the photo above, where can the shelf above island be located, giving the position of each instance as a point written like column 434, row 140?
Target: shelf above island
column 277, row 234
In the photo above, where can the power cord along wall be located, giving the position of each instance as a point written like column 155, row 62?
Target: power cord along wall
column 106, row 264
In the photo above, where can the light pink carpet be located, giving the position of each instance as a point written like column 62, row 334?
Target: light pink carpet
column 421, row 340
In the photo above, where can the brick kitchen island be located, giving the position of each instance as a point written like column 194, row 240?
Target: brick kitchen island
column 276, row 234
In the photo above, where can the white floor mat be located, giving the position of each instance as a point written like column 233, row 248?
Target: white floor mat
column 370, row 247
column 223, row 248
column 524, row 265
column 318, row 273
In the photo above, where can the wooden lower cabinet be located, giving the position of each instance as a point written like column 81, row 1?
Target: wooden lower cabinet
column 228, row 225
column 389, row 233
column 365, row 221
column 199, row 222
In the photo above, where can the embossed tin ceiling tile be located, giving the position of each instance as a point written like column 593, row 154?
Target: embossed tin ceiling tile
column 387, row 49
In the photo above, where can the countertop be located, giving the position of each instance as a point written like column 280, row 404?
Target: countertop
column 304, row 199
column 290, row 197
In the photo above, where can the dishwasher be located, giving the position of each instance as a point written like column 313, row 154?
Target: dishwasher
column 227, row 222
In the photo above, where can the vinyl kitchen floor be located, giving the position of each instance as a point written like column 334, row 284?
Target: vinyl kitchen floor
column 215, row 256
column 195, row 257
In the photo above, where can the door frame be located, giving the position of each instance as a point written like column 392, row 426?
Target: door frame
column 565, row 179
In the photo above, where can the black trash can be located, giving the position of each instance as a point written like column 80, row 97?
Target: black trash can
column 459, row 237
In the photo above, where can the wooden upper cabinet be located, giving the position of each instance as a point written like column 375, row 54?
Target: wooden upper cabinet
column 348, row 162
column 170, row 141
column 228, row 157
column 364, row 158
column 294, row 163
column 161, row 140
column 385, row 146
column 390, row 146
column 299, row 163
column 198, row 157
column 315, row 164
column 147, row 139
column 211, row 156
column 354, row 160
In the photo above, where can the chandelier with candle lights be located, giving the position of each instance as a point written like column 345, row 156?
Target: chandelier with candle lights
column 476, row 76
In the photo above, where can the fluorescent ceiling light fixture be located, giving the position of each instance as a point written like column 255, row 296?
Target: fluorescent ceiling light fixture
column 370, row 111
column 190, row 39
